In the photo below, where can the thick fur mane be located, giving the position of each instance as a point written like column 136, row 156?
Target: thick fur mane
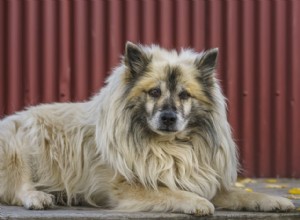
column 156, row 138
column 201, row 160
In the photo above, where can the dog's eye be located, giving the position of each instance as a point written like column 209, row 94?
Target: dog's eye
column 155, row 93
column 184, row 95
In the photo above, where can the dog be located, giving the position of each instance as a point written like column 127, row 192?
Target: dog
column 155, row 138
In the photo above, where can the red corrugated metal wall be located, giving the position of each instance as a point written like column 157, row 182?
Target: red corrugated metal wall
column 62, row 50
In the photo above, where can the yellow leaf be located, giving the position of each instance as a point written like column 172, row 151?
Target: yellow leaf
column 293, row 196
column 294, row 191
column 276, row 186
column 239, row 185
column 247, row 180
column 298, row 209
column 271, row 180
column 248, row 189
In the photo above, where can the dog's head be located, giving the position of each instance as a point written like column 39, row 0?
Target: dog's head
column 168, row 91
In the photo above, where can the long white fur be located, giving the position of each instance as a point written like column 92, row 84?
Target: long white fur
column 84, row 148
column 198, row 170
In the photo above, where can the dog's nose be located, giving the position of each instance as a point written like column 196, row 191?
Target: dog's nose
column 168, row 118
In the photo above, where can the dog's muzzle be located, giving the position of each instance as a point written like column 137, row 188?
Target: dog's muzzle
column 168, row 121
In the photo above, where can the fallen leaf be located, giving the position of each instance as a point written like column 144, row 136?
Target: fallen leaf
column 298, row 209
column 294, row 191
column 239, row 185
column 247, row 180
column 293, row 197
column 248, row 189
column 276, row 186
column 271, row 180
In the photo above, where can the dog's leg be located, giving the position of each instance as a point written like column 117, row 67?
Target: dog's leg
column 136, row 198
column 16, row 186
column 237, row 199
column 33, row 199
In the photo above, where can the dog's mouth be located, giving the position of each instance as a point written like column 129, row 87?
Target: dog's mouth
column 163, row 129
column 166, row 122
column 168, row 130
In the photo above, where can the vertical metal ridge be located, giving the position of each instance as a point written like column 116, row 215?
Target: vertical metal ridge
column 115, row 32
column 132, row 21
column 222, row 76
column 183, row 24
column 89, row 46
column 295, row 89
column 150, row 19
column 63, row 50
column 80, row 32
column 198, row 21
column 279, row 88
column 246, row 126
column 31, row 57
column 264, row 68
column 166, row 31
column 213, row 26
column 2, row 58
column 240, row 99
column 98, row 44
column 232, row 42
column 256, row 90
column 271, row 92
column 49, row 45
column 289, row 88
column 14, row 51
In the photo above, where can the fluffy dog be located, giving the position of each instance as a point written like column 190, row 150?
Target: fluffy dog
column 156, row 138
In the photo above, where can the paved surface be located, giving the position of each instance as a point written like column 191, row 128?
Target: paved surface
column 12, row 212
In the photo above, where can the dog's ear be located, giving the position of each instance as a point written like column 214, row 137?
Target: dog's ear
column 135, row 59
column 206, row 64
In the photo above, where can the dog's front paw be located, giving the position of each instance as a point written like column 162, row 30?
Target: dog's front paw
column 37, row 200
column 264, row 203
column 268, row 203
column 197, row 206
column 252, row 201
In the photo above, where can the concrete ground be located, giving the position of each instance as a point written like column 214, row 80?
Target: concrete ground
column 270, row 186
